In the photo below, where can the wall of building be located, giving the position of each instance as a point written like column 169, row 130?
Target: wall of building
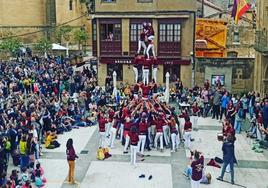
column 160, row 5
column 245, row 46
column 64, row 15
column 221, row 3
column 21, row 16
column 209, row 8
column 238, row 73
column 261, row 61
column 22, row 13
column 26, row 16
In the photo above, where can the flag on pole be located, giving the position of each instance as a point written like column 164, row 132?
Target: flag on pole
column 240, row 7
column 234, row 8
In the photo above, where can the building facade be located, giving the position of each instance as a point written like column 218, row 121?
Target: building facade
column 235, row 74
column 33, row 19
column 174, row 26
column 226, row 50
column 238, row 42
column 261, row 46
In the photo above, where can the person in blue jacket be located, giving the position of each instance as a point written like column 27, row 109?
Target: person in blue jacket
column 228, row 157
column 224, row 102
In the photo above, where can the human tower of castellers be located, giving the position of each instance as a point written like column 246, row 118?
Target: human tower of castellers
column 143, row 120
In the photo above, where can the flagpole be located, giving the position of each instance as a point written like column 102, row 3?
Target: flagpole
column 203, row 8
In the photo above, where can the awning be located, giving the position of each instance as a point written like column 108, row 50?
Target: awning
column 58, row 47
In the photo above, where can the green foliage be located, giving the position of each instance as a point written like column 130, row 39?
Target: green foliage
column 63, row 32
column 81, row 36
column 10, row 44
column 43, row 45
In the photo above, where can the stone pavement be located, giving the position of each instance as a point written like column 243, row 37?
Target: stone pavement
column 166, row 168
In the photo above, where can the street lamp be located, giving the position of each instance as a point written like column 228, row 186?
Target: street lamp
column 114, row 84
column 167, row 88
column 193, row 68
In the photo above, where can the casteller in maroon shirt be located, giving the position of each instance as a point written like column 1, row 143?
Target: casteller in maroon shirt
column 145, row 90
column 134, row 138
column 187, row 126
column 102, row 123
column 197, row 169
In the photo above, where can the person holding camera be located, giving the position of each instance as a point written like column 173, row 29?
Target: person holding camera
column 197, row 165
column 228, row 157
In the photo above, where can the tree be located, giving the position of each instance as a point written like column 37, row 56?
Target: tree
column 10, row 45
column 43, row 45
column 63, row 32
column 81, row 37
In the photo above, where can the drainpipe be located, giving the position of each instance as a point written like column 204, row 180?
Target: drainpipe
column 193, row 51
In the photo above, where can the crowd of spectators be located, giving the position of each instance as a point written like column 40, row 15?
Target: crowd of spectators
column 39, row 99
column 42, row 98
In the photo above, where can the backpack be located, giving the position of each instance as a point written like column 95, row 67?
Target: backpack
column 100, row 154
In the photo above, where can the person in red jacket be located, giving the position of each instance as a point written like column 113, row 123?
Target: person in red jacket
column 113, row 131
column 174, row 134
column 197, row 169
column 150, row 36
column 127, row 126
column 71, row 156
column 159, row 122
column 187, row 133
column 227, row 128
column 134, row 139
column 145, row 90
column 102, row 121
column 146, row 70
column 195, row 111
column 142, row 42
column 110, row 122
column 143, row 131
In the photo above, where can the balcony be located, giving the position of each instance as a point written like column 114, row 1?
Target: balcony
column 111, row 48
column 261, row 42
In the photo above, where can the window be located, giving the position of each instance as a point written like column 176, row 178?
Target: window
column 135, row 31
column 70, row 4
column 169, row 32
column 118, row 68
column 236, row 37
column 94, row 32
column 145, row 1
column 174, row 71
column 232, row 54
column 110, row 32
column 108, row 1
column 94, row 37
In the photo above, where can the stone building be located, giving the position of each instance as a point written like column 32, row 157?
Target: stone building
column 32, row 19
column 261, row 46
column 174, row 25
column 236, row 67
column 239, row 43
column 236, row 74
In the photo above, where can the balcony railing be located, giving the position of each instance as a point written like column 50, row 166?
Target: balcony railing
column 261, row 41
column 111, row 48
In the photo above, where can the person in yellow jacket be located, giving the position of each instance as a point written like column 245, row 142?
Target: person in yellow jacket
column 51, row 141
column 27, row 85
column 24, row 157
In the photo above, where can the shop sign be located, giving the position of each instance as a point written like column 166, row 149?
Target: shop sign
column 122, row 61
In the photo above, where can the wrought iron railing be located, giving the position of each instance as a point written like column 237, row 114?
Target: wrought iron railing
column 261, row 41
